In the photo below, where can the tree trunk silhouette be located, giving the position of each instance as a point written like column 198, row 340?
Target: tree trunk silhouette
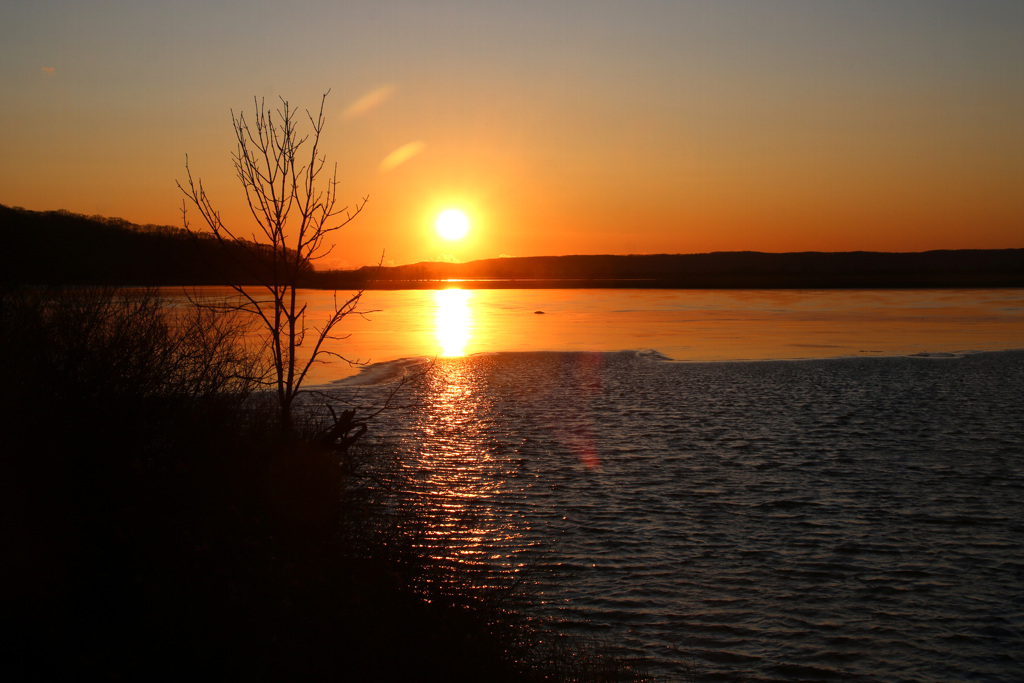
column 296, row 212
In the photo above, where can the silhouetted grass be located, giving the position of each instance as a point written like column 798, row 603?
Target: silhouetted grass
column 155, row 525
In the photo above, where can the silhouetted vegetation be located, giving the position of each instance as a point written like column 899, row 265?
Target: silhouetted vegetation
column 63, row 248
column 296, row 211
column 155, row 524
column 56, row 247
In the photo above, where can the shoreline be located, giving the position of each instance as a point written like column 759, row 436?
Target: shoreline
column 712, row 283
column 388, row 371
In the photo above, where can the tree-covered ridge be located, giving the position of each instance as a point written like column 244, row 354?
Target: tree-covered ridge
column 60, row 247
column 945, row 268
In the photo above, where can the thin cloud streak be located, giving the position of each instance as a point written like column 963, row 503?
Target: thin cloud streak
column 401, row 155
column 369, row 101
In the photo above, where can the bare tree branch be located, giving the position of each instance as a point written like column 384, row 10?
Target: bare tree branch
column 294, row 211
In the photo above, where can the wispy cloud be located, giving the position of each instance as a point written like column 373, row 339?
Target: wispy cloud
column 401, row 155
column 50, row 70
column 369, row 101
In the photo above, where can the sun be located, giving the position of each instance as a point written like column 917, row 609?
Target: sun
column 452, row 224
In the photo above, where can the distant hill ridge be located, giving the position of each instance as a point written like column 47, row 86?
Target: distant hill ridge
column 945, row 268
column 59, row 247
column 64, row 248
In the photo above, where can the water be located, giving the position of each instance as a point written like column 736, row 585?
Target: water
column 681, row 324
column 857, row 513
column 857, row 518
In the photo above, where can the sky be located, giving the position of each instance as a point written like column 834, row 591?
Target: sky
column 557, row 127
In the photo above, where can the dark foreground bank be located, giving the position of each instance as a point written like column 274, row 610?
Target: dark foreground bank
column 154, row 524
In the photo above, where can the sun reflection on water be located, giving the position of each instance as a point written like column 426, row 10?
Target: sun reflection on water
column 454, row 321
column 462, row 468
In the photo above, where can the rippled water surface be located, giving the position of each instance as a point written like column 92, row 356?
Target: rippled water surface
column 853, row 518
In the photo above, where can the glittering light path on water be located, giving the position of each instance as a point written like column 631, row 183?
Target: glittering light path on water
column 777, row 520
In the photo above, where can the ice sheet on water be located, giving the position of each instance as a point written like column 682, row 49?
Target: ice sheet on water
column 652, row 354
column 384, row 373
column 394, row 370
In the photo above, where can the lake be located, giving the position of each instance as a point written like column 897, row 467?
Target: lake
column 770, row 485
column 680, row 324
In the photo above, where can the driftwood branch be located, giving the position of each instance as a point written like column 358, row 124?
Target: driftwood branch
column 340, row 436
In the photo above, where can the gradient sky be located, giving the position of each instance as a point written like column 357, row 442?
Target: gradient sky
column 558, row 127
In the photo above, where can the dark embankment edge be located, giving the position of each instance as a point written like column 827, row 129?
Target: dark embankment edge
column 154, row 524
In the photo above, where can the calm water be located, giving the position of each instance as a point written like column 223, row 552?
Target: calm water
column 800, row 520
column 681, row 324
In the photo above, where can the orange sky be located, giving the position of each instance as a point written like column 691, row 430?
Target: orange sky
column 565, row 127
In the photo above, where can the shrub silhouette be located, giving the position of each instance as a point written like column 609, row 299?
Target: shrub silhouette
column 154, row 523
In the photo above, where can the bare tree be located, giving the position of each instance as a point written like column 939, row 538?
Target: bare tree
column 296, row 211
